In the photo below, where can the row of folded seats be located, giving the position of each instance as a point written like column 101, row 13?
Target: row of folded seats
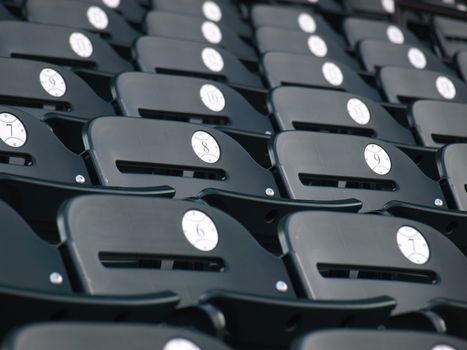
column 251, row 172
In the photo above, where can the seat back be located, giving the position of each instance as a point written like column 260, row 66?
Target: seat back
column 134, row 152
column 136, row 246
column 330, row 167
column 345, row 257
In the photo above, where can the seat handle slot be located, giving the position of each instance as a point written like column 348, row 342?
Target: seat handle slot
column 347, row 182
column 129, row 167
column 377, row 273
column 160, row 262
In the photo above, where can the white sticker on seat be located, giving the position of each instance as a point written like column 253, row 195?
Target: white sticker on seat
column 81, row 45
column 388, row 6
column 317, row 46
column 417, row 58
column 358, row 111
column 446, row 87
column 12, row 130
column 180, row 344
column 113, row 4
column 212, row 11
column 97, row 17
column 212, row 59
column 395, row 35
column 212, row 97
column 205, row 147
column 332, row 73
column 377, row 159
column 306, row 23
column 200, row 230
column 413, row 245
column 52, row 82
column 211, row 32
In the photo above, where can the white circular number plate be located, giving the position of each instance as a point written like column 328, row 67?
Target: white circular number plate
column 200, row 230
column 377, row 159
column 97, row 17
column 306, row 23
column 212, row 11
column 333, row 74
column 113, row 4
column 181, row 344
column 358, row 111
column 446, row 87
column 443, row 347
column 388, row 6
column 417, row 58
column 52, row 82
column 211, row 32
column 413, row 245
column 212, row 97
column 212, row 59
column 395, row 35
column 205, row 147
column 317, row 46
column 12, row 130
column 81, row 44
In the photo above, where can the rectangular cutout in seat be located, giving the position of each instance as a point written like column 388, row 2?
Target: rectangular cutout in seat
column 56, row 60
column 448, row 139
column 347, row 182
column 187, row 73
column 12, row 158
column 160, row 262
column 377, row 273
column 129, row 167
column 35, row 103
column 184, row 117
column 333, row 129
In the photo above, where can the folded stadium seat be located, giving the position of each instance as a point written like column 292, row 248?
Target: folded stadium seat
column 40, row 285
column 383, row 340
column 46, row 90
column 190, row 58
column 186, row 27
column 78, row 14
column 331, row 6
column 145, row 251
column 452, row 167
column 131, row 10
column 358, row 29
column 224, row 13
column 349, row 256
column 438, row 123
column 329, row 166
column 196, row 100
column 461, row 61
column 377, row 54
column 404, row 85
column 373, row 7
column 29, row 148
column 131, row 152
column 285, row 40
column 107, row 336
column 199, row 252
column 296, row 108
column 451, row 35
column 59, row 45
column 299, row 70
column 299, row 19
